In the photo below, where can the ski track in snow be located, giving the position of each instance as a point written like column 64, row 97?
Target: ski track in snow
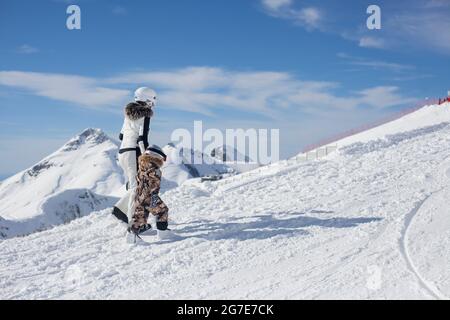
column 286, row 231
column 410, row 220
column 404, row 249
column 427, row 208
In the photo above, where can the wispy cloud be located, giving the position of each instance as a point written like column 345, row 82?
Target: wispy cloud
column 375, row 64
column 275, row 5
column 208, row 90
column 437, row 3
column 308, row 17
column 394, row 71
column 79, row 90
column 426, row 29
column 420, row 25
column 301, row 108
column 412, row 77
column 119, row 10
column 383, row 96
column 26, row 49
column 372, row 42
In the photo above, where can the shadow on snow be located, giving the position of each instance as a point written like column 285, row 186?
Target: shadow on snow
column 266, row 226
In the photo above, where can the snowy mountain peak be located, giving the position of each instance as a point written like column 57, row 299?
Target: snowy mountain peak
column 91, row 136
column 86, row 163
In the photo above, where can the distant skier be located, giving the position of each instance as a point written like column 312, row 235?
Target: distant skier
column 134, row 137
column 147, row 200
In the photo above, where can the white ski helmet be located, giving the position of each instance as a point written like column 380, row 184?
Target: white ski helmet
column 146, row 95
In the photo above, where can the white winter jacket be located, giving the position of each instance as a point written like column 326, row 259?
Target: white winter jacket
column 135, row 127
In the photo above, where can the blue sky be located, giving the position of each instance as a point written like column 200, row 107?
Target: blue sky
column 311, row 69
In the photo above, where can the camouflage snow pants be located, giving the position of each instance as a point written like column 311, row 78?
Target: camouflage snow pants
column 149, row 204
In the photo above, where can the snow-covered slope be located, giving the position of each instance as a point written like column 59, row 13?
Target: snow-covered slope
column 424, row 117
column 369, row 222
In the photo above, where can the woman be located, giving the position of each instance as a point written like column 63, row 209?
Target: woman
column 134, row 137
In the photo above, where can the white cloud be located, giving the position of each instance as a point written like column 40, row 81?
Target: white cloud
column 383, row 97
column 204, row 89
column 311, row 17
column 276, row 4
column 304, row 110
column 119, row 10
column 372, row 42
column 421, row 26
column 207, row 90
column 27, row 49
column 308, row 17
column 437, row 3
column 413, row 77
column 82, row 91
column 190, row 78
column 375, row 64
column 426, row 29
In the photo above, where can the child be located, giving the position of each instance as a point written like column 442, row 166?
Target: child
column 147, row 200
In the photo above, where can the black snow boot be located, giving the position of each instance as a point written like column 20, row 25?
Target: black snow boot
column 120, row 215
column 161, row 225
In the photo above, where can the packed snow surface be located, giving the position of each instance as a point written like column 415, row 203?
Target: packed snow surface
column 370, row 221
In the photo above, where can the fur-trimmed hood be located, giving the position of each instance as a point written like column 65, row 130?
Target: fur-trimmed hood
column 136, row 110
column 146, row 160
